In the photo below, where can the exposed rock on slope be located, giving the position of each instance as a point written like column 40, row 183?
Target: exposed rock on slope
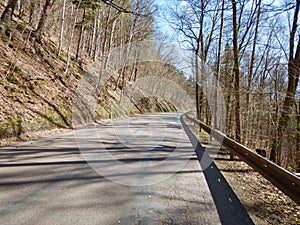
column 36, row 94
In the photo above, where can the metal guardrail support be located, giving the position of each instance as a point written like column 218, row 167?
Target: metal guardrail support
column 284, row 180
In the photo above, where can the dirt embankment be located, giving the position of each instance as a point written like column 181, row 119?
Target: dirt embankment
column 36, row 95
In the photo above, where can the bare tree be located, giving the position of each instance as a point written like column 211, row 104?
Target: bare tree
column 218, row 66
column 293, row 78
column 236, row 70
column 198, row 24
column 63, row 9
column 251, row 64
column 40, row 28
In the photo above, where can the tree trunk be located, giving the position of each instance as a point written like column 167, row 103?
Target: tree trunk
column 105, row 31
column 32, row 13
column 297, row 156
column 8, row 11
column 97, row 36
column 250, row 72
column 236, row 73
column 40, row 28
column 218, row 70
column 62, row 27
column 79, row 43
column 293, row 78
column 71, row 38
column 198, row 108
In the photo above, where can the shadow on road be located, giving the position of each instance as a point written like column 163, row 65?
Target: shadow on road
column 230, row 209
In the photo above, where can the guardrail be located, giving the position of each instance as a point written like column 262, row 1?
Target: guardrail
column 284, row 180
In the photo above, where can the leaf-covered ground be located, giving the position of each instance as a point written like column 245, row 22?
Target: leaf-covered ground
column 265, row 203
column 37, row 95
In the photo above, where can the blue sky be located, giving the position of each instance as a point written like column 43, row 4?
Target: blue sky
column 181, row 60
column 162, row 16
column 161, row 23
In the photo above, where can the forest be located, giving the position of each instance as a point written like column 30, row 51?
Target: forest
column 251, row 48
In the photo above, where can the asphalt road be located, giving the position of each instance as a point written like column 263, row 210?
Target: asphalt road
column 140, row 170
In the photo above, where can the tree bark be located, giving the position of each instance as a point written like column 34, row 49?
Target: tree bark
column 61, row 36
column 198, row 107
column 218, row 70
column 236, row 73
column 32, row 13
column 297, row 156
column 71, row 37
column 293, row 78
column 250, row 72
column 8, row 11
column 79, row 43
column 40, row 28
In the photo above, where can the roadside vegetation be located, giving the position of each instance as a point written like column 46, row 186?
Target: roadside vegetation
column 47, row 47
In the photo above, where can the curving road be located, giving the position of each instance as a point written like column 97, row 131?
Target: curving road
column 140, row 170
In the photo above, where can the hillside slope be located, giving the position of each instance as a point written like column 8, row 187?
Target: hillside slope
column 36, row 94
